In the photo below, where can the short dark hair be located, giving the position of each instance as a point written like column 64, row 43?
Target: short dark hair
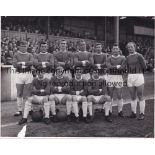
column 63, row 40
column 97, row 44
column 43, row 43
column 115, row 44
column 23, row 43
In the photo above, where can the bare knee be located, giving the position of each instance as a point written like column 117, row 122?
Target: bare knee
column 51, row 98
column 74, row 98
column 108, row 98
column 45, row 99
column 84, row 99
column 90, row 98
column 69, row 98
column 30, row 99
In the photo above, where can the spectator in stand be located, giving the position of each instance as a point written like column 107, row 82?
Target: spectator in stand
column 7, row 56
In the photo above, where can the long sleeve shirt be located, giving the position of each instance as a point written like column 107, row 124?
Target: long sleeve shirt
column 56, row 82
column 27, row 58
column 136, row 63
column 96, row 87
column 39, row 85
column 44, row 61
column 64, row 59
column 78, row 85
column 112, row 63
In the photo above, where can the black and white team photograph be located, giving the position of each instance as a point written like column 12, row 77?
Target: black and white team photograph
column 77, row 76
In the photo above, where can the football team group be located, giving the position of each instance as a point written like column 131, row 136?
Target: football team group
column 78, row 81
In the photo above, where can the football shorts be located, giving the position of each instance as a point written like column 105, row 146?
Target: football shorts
column 114, row 81
column 24, row 78
column 60, row 96
column 135, row 80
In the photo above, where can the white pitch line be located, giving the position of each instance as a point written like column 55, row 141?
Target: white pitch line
column 22, row 132
column 9, row 124
column 125, row 102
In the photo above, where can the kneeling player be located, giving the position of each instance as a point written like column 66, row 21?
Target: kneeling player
column 96, row 94
column 60, row 93
column 79, row 92
column 39, row 98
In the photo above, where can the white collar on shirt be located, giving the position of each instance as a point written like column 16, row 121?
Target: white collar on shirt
column 22, row 52
column 133, row 53
column 115, row 56
column 78, row 79
column 58, row 77
column 95, row 79
column 83, row 51
column 99, row 53
column 43, row 53
column 41, row 79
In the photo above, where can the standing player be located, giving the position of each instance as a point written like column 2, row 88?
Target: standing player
column 97, row 94
column 60, row 93
column 79, row 91
column 136, row 67
column 115, row 65
column 99, row 58
column 22, row 61
column 44, row 60
column 63, row 57
column 83, row 58
column 40, row 91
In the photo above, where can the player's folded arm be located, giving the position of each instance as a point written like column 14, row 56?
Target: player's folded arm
column 15, row 62
column 65, row 89
column 36, row 92
column 93, row 91
column 124, row 63
column 54, row 90
column 109, row 65
column 30, row 62
column 77, row 62
column 47, row 89
column 83, row 93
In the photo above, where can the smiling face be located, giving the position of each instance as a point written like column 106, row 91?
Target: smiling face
column 131, row 48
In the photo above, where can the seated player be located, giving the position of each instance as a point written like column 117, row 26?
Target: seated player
column 44, row 60
column 136, row 68
column 63, row 57
column 23, row 62
column 99, row 58
column 83, row 58
column 116, row 63
column 78, row 87
column 97, row 94
column 40, row 92
column 60, row 93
